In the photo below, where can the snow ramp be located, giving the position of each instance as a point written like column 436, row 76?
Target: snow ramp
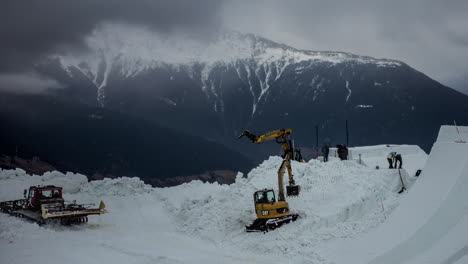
column 431, row 223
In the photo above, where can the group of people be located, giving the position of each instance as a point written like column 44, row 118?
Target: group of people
column 341, row 150
column 394, row 160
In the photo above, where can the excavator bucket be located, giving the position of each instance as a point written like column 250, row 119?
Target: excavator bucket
column 293, row 190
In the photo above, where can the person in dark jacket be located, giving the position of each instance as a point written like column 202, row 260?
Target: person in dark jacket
column 340, row 151
column 398, row 160
column 297, row 155
column 325, row 151
column 345, row 152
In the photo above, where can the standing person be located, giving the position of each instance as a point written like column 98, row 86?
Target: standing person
column 390, row 160
column 340, row 151
column 399, row 160
column 345, row 152
column 294, row 157
column 325, row 151
column 299, row 156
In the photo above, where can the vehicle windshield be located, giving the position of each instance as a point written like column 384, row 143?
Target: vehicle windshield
column 265, row 197
column 31, row 194
column 50, row 193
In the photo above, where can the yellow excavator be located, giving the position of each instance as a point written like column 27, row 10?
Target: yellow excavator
column 272, row 213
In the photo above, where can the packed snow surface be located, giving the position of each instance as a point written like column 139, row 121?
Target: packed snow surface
column 431, row 223
column 205, row 223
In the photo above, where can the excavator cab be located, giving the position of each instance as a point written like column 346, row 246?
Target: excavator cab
column 271, row 213
column 266, row 206
column 264, row 196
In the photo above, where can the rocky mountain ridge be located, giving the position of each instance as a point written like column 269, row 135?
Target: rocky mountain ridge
column 218, row 88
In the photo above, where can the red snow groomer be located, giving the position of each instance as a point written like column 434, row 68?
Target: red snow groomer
column 42, row 204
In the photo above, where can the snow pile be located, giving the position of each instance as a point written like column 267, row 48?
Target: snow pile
column 338, row 199
column 18, row 180
column 123, row 186
column 73, row 183
column 201, row 222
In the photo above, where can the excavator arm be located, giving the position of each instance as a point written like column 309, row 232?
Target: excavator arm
column 280, row 137
column 275, row 134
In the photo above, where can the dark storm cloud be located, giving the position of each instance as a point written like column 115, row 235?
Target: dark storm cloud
column 28, row 82
column 30, row 29
column 431, row 36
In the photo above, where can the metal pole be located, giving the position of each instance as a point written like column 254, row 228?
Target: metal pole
column 316, row 142
column 316, row 136
column 347, row 133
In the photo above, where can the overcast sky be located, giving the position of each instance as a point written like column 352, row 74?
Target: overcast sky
column 431, row 36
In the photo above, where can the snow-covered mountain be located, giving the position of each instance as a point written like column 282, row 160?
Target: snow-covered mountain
column 217, row 88
column 128, row 52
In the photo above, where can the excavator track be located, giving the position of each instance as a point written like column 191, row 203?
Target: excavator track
column 265, row 225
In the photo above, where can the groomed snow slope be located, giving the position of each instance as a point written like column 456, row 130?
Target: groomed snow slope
column 431, row 223
column 201, row 222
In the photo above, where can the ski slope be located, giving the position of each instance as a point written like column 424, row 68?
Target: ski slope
column 205, row 223
column 431, row 223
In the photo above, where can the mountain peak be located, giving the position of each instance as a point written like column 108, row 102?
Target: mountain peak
column 137, row 49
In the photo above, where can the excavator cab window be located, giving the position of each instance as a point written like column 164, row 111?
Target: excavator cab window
column 267, row 196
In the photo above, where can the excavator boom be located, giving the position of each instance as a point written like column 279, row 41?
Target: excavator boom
column 280, row 137
column 270, row 213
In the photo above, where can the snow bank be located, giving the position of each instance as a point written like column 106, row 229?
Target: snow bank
column 137, row 229
column 452, row 134
column 338, row 199
column 205, row 222
column 383, row 150
column 414, row 158
column 430, row 224
column 123, row 186
column 18, row 180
